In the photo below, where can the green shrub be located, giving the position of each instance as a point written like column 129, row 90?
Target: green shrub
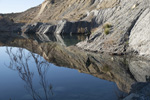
column 106, row 68
column 106, row 31
column 107, row 28
column 127, row 42
column 107, row 25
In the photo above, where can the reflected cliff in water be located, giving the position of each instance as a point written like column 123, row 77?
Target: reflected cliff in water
column 124, row 71
column 66, row 40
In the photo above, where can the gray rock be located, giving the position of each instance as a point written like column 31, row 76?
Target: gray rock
column 139, row 39
column 31, row 28
column 62, row 27
column 66, row 27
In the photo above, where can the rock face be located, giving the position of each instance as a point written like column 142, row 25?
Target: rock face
column 116, row 25
column 140, row 38
column 69, row 16
column 122, row 19
column 62, row 27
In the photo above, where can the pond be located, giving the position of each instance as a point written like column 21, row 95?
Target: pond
column 66, row 40
column 27, row 76
column 32, row 70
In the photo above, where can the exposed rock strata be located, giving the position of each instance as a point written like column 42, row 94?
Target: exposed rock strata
column 62, row 27
column 125, row 17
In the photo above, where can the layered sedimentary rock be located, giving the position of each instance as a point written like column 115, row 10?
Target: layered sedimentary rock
column 116, row 25
column 62, row 27
column 123, row 18
column 70, row 16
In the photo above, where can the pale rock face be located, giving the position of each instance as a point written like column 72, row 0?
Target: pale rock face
column 139, row 39
column 43, row 6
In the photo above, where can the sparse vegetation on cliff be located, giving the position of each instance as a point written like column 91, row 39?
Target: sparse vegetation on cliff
column 107, row 27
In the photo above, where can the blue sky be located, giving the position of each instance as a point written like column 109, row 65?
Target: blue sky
column 9, row 6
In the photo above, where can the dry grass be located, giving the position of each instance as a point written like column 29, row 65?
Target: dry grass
column 107, row 4
column 94, row 30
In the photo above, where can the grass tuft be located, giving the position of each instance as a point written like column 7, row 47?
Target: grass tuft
column 107, row 28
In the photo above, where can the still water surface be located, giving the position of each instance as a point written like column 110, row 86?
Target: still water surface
column 27, row 76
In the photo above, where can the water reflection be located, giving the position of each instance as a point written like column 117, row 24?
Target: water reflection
column 106, row 67
column 64, row 39
column 74, row 87
column 20, row 61
column 112, row 68
column 124, row 71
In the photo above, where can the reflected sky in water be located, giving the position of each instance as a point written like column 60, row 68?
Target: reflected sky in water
column 60, row 83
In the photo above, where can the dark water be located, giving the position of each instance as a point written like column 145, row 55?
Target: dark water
column 73, row 39
column 67, row 40
column 27, row 76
